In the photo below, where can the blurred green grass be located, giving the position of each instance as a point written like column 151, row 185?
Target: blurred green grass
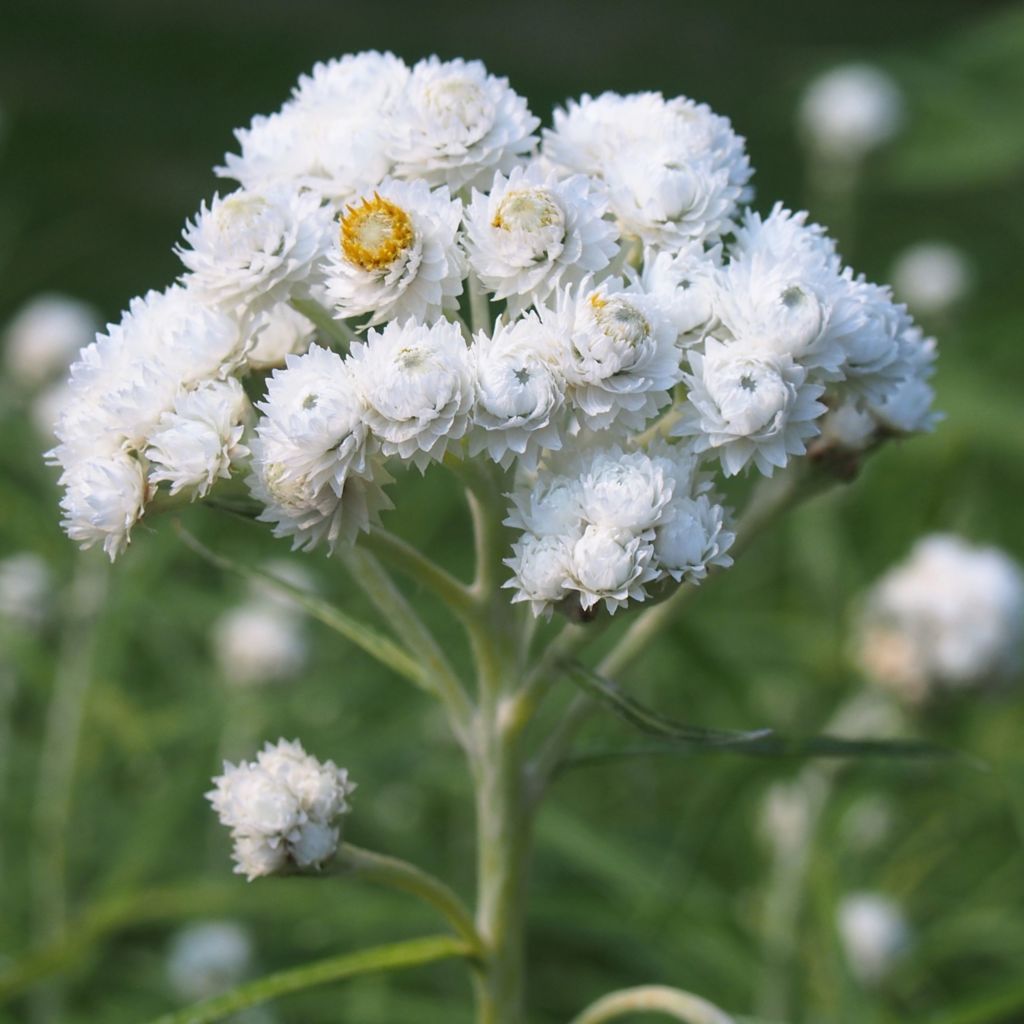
column 645, row 870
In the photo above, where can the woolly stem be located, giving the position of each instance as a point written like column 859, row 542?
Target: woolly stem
column 671, row 1002
column 479, row 308
column 399, row 874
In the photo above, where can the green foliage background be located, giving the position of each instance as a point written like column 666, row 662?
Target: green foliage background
column 113, row 115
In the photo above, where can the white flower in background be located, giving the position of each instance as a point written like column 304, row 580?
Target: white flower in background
column 104, row 497
column 48, row 407
column 692, row 537
column 931, row 277
column 283, row 808
column 874, row 934
column 457, row 125
column 26, row 589
column 259, row 642
column 199, row 441
column 397, row 254
column 786, row 818
column 44, row 336
column 534, row 233
column 950, row 616
column 851, row 110
column 684, row 284
column 675, row 170
column 279, row 332
column 520, row 392
column 329, row 138
column 207, row 958
column 252, row 250
column 617, row 354
column 747, row 404
column 417, row 386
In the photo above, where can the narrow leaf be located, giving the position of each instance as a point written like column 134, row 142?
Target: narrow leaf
column 396, row 956
column 378, row 646
column 653, row 722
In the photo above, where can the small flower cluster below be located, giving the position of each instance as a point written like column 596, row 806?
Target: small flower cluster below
column 283, row 809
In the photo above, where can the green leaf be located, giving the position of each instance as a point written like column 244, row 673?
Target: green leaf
column 653, row 722
column 378, row 646
column 393, row 957
column 991, row 1008
column 680, row 739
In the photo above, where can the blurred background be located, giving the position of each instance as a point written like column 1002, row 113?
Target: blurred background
column 869, row 891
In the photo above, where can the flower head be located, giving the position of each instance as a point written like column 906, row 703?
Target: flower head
column 283, row 808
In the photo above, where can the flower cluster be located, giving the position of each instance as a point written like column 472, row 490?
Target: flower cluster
column 283, row 809
column 428, row 277
column 950, row 616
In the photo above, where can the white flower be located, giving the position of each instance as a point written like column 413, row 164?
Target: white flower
column 692, row 536
column 127, row 379
column 785, row 818
column 280, row 331
column 675, row 170
column 199, row 441
column 684, row 285
column 550, row 507
column 26, row 586
column 746, row 403
column 874, row 934
column 104, row 497
column 207, row 958
column 618, row 355
column 906, row 404
column 284, row 806
column 848, row 426
column 931, row 277
column 313, row 469
column 610, row 565
column 397, row 255
column 44, row 336
column 785, row 290
column 950, row 616
column 850, row 110
column 627, row 491
column 458, row 124
column 330, row 138
column 254, row 249
column 257, row 643
column 417, row 386
column 541, row 567
column 520, row 392
column 534, row 233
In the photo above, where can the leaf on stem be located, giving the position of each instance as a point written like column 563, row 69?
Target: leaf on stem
column 393, row 957
column 679, row 739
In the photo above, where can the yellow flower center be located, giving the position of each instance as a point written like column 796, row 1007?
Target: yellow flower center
column 527, row 210
column 620, row 320
column 375, row 233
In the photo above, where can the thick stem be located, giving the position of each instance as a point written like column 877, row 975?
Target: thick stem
column 503, row 843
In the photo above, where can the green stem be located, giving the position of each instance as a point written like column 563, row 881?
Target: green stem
column 503, row 843
column 671, row 1002
column 410, row 561
column 57, row 758
column 378, row 646
column 405, row 877
column 337, row 332
column 413, row 953
column 392, row 604
column 479, row 308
